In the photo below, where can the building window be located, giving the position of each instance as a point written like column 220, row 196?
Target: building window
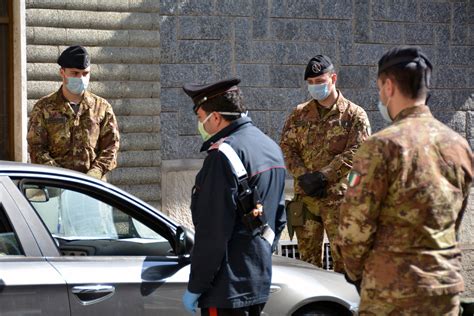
column 6, row 83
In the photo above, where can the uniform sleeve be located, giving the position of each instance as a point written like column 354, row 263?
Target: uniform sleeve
column 466, row 186
column 37, row 138
column 280, row 222
column 289, row 146
column 361, row 207
column 342, row 163
column 214, row 216
column 109, row 141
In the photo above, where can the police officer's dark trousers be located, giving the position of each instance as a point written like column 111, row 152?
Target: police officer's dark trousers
column 254, row 310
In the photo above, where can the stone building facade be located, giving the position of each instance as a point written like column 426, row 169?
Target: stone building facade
column 123, row 40
column 144, row 50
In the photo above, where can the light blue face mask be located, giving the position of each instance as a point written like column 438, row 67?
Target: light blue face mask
column 77, row 85
column 319, row 92
column 383, row 109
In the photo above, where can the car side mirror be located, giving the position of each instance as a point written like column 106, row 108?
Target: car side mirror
column 37, row 194
column 184, row 241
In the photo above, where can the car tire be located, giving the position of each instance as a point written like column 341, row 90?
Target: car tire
column 312, row 310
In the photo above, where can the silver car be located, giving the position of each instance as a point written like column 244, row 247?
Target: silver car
column 73, row 245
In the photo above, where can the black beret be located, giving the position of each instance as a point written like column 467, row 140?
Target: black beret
column 404, row 56
column 318, row 65
column 200, row 93
column 74, row 57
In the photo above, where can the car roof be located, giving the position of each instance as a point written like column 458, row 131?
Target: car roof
column 21, row 167
column 13, row 168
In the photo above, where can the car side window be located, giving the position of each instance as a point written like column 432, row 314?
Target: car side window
column 82, row 225
column 9, row 245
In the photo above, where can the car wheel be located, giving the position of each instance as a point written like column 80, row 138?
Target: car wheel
column 322, row 310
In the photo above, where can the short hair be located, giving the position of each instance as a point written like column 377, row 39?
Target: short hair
column 231, row 101
column 409, row 68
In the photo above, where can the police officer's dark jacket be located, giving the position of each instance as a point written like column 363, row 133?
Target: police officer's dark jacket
column 230, row 266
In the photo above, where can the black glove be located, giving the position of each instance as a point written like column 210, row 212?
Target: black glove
column 355, row 283
column 313, row 184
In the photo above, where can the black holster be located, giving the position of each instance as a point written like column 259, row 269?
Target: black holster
column 247, row 201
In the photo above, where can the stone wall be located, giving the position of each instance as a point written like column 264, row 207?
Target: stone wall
column 467, row 246
column 268, row 43
column 122, row 37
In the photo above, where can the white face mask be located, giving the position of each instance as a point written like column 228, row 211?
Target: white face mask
column 202, row 130
column 204, row 134
column 383, row 109
column 77, row 85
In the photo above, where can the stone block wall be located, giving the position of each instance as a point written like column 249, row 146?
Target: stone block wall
column 123, row 39
column 467, row 247
column 268, row 43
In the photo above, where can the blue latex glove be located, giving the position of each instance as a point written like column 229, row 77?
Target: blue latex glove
column 190, row 301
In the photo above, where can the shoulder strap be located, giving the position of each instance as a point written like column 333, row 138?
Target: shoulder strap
column 239, row 170
column 235, row 162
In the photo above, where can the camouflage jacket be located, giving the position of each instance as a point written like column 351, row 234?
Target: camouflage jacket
column 407, row 192
column 312, row 143
column 57, row 136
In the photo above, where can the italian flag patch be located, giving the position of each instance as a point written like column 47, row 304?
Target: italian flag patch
column 353, row 178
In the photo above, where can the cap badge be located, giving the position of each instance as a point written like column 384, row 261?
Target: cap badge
column 316, row 68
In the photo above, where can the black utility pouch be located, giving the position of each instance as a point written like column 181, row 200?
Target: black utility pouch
column 295, row 212
column 247, row 201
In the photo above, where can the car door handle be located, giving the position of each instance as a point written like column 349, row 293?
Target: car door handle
column 91, row 294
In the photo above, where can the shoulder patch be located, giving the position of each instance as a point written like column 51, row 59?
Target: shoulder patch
column 353, row 178
column 217, row 144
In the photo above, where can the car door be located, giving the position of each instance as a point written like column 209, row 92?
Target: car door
column 29, row 285
column 116, row 258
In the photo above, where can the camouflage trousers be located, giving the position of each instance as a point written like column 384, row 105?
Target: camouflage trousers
column 311, row 234
column 372, row 304
column 330, row 216
column 310, row 242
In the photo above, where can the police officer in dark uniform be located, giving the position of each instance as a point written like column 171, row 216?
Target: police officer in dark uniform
column 231, row 263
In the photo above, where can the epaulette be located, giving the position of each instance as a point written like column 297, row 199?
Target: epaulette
column 301, row 106
column 217, row 144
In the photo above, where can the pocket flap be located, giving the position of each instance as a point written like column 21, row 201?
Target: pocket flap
column 295, row 211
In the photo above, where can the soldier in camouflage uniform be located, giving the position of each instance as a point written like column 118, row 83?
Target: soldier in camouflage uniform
column 318, row 142
column 407, row 193
column 73, row 128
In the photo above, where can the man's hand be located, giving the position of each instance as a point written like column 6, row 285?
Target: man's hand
column 356, row 283
column 313, row 184
column 190, row 301
column 95, row 173
column 258, row 210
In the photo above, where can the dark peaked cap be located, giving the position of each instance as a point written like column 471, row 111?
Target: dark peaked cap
column 200, row 93
column 74, row 57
